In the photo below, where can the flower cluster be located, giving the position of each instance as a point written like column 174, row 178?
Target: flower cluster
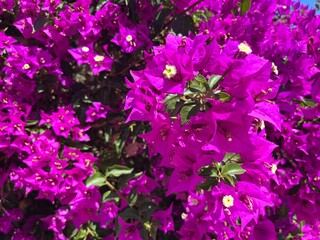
column 148, row 119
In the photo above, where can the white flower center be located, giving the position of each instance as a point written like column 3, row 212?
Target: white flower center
column 98, row 58
column 275, row 69
column 243, row 47
column 227, row 201
column 184, row 216
column 85, row 49
column 273, row 168
column 194, row 201
column 26, row 66
column 129, row 38
column 170, row 71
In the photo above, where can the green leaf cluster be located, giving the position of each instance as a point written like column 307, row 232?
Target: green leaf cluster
column 244, row 6
column 194, row 98
column 226, row 171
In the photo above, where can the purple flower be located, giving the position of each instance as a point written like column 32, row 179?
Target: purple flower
column 268, row 112
column 78, row 134
column 5, row 41
column 57, row 222
column 108, row 212
column 97, row 62
column 141, row 99
column 84, row 207
column 143, row 185
column 100, row 63
column 165, row 218
column 6, row 6
column 171, row 67
column 128, row 230
column 130, row 37
column 265, row 229
column 161, row 138
column 22, row 60
column 82, row 54
column 50, row 5
column 192, row 229
column 95, row 112
column 89, row 27
column 61, row 121
column 108, row 16
column 9, row 218
column 25, row 26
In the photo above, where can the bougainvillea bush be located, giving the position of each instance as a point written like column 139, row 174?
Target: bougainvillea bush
column 159, row 119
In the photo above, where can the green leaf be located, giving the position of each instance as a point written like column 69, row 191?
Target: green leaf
column 177, row 108
column 118, row 170
column 92, row 226
column 200, row 78
column 197, row 87
column 245, row 6
column 147, row 209
column 214, row 81
column 230, row 180
column 81, row 234
column 188, row 111
column 201, row 16
column 117, row 229
column 132, row 6
column 189, row 93
column 129, row 213
column 70, row 231
column 133, row 197
column 125, row 178
column 283, row 211
column 153, row 230
column 32, row 123
column 205, row 171
column 208, row 171
column 160, row 19
column 308, row 103
column 86, row 100
column 170, row 97
column 183, row 24
column 232, row 169
column 171, row 102
column 39, row 23
column 109, row 196
column 144, row 233
column 97, row 179
column 207, row 184
column 214, row 173
column 224, row 97
column 105, row 196
column 199, row 84
column 231, row 157
column 101, row 3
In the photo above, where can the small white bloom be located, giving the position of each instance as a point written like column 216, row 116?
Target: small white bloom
column 26, row 66
column 98, row 58
column 243, row 47
column 170, row 71
column 275, row 69
column 227, row 201
column 184, row 216
column 85, row 49
column 129, row 38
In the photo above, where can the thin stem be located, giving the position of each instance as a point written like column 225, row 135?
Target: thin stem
column 111, row 186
